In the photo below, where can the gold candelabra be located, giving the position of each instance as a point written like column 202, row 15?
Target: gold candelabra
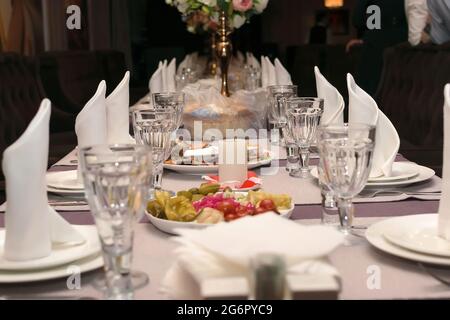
column 224, row 49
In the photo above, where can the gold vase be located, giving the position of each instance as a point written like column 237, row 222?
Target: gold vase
column 224, row 49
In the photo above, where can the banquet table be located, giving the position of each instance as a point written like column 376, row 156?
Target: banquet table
column 153, row 249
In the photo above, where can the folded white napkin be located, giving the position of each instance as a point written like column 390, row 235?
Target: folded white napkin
column 252, row 61
column 31, row 224
column 226, row 250
column 363, row 109
column 444, row 212
column 163, row 80
column 334, row 104
column 117, row 113
column 272, row 75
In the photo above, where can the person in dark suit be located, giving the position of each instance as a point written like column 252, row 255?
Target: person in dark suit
column 393, row 29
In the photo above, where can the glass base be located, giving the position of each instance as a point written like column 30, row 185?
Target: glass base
column 138, row 280
column 353, row 237
column 303, row 174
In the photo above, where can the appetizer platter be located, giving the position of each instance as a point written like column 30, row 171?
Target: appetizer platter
column 200, row 158
column 207, row 205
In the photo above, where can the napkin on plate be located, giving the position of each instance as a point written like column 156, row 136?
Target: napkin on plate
column 117, row 113
column 444, row 205
column 163, row 80
column 252, row 61
column 363, row 109
column 225, row 251
column 333, row 112
column 272, row 75
column 31, row 224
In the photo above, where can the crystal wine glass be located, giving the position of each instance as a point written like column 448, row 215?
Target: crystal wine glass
column 346, row 159
column 116, row 180
column 278, row 102
column 154, row 128
column 171, row 100
column 303, row 118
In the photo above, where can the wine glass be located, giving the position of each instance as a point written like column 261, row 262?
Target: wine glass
column 278, row 101
column 154, row 128
column 171, row 100
column 303, row 118
column 116, row 180
column 346, row 153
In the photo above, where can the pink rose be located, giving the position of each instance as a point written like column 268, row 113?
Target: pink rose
column 242, row 5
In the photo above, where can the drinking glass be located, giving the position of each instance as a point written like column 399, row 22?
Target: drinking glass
column 185, row 77
column 303, row 118
column 154, row 128
column 116, row 180
column 278, row 101
column 293, row 157
column 252, row 78
column 346, row 159
column 171, row 101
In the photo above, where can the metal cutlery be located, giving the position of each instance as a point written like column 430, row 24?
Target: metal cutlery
column 434, row 275
column 395, row 192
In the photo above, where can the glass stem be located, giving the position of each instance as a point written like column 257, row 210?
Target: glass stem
column 157, row 177
column 346, row 214
column 304, row 161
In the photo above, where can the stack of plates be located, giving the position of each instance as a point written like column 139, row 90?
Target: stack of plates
column 411, row 237
column 64, row 183
column 86, row 257
column 403, row 174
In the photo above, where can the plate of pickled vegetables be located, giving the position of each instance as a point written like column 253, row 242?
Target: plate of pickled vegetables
column 207, row 205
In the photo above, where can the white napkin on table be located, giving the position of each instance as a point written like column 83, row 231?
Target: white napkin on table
column 252, row 61
column 31, row 224
column 163, row 80
column 272, row 75
column 363, row 109
column 225, row 251
column 444, row 205
column 117, row 113
column 334, row 104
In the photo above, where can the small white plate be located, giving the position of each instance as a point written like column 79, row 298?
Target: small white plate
column 65, row 192
column 85, row 265
column 375, row 236
column 420, row 234
column 171, row 227
column 400, row 171
column 202, row 169
column 64, row 180
column 60, row 254
column 424, row 175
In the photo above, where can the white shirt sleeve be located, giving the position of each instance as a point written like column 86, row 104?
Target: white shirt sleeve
column 417, row 15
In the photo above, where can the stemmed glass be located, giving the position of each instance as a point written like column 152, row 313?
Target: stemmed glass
column 171, row 100
column 303, row 118
column 278, row 104
column 346, row 159
column 154, row 128
column 116, row 180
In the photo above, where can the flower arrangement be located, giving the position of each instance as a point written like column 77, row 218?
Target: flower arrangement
column 203, row 15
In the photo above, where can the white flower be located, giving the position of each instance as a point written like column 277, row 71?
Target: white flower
column 261, row 5
column 182, row 6
column 238, row 21
column 211, row 3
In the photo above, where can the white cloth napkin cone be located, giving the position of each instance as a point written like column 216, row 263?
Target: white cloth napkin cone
column 32, row 226
column 272, row 75
column 364, row 109
column 117, row 113
column 163, row 80
column 226, row 250
column 334, row 104
column 444, row 205
column 252, row 61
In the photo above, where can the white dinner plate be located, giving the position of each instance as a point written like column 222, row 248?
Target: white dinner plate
column 65, row 192
column 202, row 169
column 424, row 175
column 375, row 236
column 60, row 254
column 400, row 171
column 171, row 227
column 419, row 233
column 83, row 265
column 64, row 180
